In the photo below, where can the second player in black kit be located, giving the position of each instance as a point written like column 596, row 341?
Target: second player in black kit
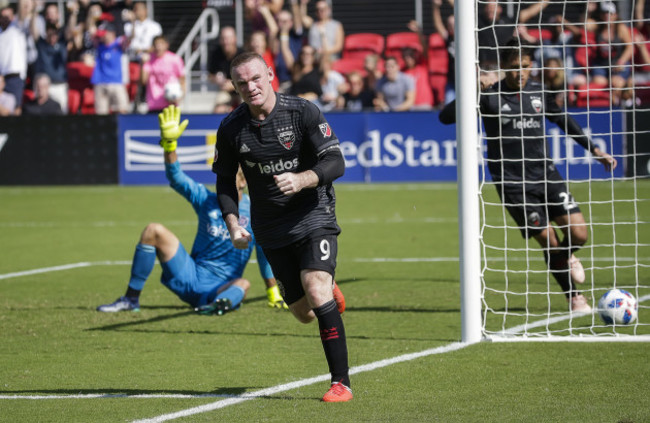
column 514, row 111
column 290, row 157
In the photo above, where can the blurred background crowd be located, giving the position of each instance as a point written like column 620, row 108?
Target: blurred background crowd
column 109, row 56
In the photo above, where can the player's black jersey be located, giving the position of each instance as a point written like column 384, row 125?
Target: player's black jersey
column 514, row 123
column 290, row 139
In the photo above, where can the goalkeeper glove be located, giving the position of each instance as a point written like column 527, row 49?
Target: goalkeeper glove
column 275, row 298
column 171, row 127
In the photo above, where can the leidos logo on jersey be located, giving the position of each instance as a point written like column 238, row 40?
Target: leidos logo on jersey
column 273, row 167
column 530, row 123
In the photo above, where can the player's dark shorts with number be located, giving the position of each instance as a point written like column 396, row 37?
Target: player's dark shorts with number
column 317, row 251
column 533, row 204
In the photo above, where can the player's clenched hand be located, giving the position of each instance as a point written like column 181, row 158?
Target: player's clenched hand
column 240, row 237
column 606, row 160
column 289, row 183
column 171, row 127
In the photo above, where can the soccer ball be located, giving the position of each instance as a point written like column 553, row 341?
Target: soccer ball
column 617, row 306
column 173, row 91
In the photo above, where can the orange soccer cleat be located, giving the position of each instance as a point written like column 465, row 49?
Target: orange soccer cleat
column 338, row 392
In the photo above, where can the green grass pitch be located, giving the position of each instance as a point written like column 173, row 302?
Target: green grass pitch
column 397, row 267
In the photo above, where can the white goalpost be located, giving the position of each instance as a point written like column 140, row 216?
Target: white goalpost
column 508, row 292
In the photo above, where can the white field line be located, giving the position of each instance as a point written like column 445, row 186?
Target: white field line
column 109, row 223
column 300, row 383
column 354, row 260
column 541, row 323
column 91, row 396
column 236, row 399
column 63, row 267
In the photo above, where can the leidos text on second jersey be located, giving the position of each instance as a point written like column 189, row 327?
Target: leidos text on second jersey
column 530, row 123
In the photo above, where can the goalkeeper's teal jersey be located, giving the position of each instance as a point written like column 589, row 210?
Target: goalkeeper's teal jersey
column 212, row 247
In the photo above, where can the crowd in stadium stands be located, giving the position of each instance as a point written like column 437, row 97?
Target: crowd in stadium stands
column 108, row 56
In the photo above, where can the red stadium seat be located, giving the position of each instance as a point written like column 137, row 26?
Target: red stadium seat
column 587, row 50
column 593, row 95
column 79, row 75
column 28, row 95
column 74, row 101
column 438, row 63
column 134, row 80
column 362, row 44
column 399, row 41
column 346, row 65
column 584, row 55
column 88, row 101
column 540, row 34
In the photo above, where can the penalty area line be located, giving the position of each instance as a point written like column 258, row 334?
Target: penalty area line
column 136, row 396
column 353, row 260
column 300, row 383
column 62, row 267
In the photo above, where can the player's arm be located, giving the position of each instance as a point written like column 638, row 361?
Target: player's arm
column 570, row 127
column 330, row 166
column 225, row 166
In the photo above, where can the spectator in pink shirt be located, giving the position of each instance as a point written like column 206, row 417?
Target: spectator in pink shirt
column 163, row 68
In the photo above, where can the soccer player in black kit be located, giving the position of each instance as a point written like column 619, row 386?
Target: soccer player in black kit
column 533, row 191
column 290, row 157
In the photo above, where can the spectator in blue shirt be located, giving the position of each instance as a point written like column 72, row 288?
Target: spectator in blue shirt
column 110, row 91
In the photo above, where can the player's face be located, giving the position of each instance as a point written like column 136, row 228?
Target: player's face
column 518, row 71
column 252, row 81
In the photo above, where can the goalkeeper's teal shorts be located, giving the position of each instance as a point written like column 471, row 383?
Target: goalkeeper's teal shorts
column 193, row 283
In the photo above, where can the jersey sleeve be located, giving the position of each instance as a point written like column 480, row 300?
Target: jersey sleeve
column 330, row 164
column 193, row 192
column 225, row 165
column 318, row 130
column 567, row 123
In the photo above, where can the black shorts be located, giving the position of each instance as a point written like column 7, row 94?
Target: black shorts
column 533, row 204
column 317, row 251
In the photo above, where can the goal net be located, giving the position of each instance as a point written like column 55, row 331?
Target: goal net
column 589, row 59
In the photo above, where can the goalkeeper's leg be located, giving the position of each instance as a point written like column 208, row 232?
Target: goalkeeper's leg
column 154, row 240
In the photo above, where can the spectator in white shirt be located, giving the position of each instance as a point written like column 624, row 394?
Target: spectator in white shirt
column 144, row 30
column 13, row 55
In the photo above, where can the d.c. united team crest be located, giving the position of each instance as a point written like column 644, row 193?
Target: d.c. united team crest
column 536, row 102
column 287, row 138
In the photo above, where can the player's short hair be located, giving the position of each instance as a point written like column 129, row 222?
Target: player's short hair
column 515, row 48
column 245, row 57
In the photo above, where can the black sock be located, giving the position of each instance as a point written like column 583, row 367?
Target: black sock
column 558, row 263
column 132, row 293
column 332, row 335
column 571, row 248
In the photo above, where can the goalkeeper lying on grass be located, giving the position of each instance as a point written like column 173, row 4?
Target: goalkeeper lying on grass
column 210, row 278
